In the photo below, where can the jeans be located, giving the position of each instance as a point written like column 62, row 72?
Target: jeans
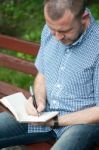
column 13, row 133
column 77, row 137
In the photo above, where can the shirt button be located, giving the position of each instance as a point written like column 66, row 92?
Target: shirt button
column 67, row 51
column 54, row 101
column 58, row 85
column 62, row 68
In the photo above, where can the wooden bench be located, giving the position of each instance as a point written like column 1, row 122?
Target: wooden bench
column 21, row 65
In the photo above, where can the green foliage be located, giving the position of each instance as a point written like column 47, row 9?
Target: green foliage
column 23, row 19
column 95, row 11
column 16, row 78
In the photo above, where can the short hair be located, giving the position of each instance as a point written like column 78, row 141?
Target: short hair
column 57, row 8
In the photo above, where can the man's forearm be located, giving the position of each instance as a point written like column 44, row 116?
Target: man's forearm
column 87, row 116
column 39, row 88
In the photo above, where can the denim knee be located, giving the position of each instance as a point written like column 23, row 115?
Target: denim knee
column 78, row 137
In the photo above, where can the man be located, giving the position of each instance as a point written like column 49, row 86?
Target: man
column 67, row 81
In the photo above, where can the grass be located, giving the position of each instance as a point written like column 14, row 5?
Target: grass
column 16, row 78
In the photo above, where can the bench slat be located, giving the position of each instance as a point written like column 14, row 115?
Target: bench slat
column 17, row 64
column 38, row 146
column 7, row 89
column 18, row 45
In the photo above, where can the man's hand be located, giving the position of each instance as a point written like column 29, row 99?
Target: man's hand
column 31, row 110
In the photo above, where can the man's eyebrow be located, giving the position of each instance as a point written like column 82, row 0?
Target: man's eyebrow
column 66, row 30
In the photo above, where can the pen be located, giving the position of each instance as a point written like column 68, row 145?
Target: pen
column 34, row 100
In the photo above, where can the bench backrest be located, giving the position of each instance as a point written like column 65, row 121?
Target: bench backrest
column 21, row 46
column 8, row 60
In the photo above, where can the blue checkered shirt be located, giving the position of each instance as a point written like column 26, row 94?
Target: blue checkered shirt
column 71, row 73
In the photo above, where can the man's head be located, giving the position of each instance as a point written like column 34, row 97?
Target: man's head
column 65, row 18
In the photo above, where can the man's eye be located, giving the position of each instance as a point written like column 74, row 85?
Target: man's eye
column 63, row 32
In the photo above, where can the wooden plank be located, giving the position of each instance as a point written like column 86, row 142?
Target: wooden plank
column 17, row 64
column 38, row 146
column 18, row 45
column 7, row 89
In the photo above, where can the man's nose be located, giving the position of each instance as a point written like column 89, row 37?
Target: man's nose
column 59, row 36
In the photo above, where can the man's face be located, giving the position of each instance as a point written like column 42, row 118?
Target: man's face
column 66, row 29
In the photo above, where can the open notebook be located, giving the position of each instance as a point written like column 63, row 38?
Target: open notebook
column 17, row 102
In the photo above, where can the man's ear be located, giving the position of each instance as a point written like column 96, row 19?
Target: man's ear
column 85, row 20
column 85, row 15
